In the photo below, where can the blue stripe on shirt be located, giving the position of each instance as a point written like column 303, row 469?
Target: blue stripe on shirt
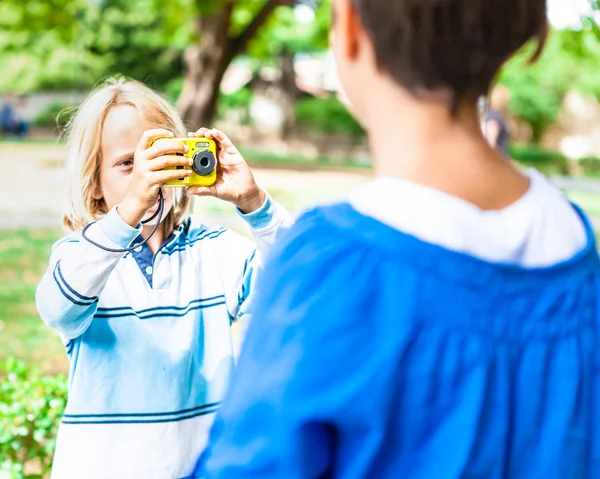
column 246, row 280
column 209, row 409
column 63, row 241
column 66, row 295
column 165, row 311
column 80, row 296
column 160, row 308
column 142, row 414
column 176, row 247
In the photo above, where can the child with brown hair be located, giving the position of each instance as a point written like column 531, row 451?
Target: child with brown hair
column 442, row 323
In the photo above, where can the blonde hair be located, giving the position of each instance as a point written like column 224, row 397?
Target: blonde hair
column 84, row 155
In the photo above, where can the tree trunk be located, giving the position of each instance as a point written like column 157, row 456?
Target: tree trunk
column 198, row 102
column 206, row 62
column 289, row 90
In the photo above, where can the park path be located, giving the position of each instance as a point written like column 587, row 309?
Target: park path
column 33, row 187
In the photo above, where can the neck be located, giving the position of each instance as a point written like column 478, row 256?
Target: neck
column 419, row 141
column 157, row 239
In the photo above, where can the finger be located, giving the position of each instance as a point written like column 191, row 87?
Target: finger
column 150, row 136
column 162, row 162
column 202, row 191
column 220, row 137
column 224, row 142
column 162, row 176
column 200, row 133
column 165, row 147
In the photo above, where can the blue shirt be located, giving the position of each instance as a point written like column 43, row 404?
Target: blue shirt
column 373, row 354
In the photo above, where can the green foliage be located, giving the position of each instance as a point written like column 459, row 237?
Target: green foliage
column 240, row 99
column 68, row 44
column 23, row 259
column 56, row 115
column 590, row 166
column 552, row 162
column 549, row 162
column 24, row 20
column 71, row 44
column 173, row 88
column 133, row 38
column 569, row 62
column 285, row 32
column 326, row 116
column 31, row 407
column 41, row 45
column 236, row 101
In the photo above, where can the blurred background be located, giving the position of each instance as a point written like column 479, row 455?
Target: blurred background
column 261, row 71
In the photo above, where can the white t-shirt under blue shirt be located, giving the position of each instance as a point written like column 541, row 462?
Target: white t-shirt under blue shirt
column 523, row 233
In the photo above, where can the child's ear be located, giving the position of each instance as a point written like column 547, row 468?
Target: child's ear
column 347, row 28
column 97, row 194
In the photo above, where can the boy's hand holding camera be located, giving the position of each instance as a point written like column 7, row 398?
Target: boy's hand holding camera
column 149, row 173
column 235, row 182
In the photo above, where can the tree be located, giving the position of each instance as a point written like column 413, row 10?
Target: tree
column 284, row 36
column 37, row 43
column 140, row 39
column 224, row 30
column 67, row 44
column 568, row 63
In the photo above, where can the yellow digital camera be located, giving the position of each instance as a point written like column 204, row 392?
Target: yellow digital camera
column 203, row 152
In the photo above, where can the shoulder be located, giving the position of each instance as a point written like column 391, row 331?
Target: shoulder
column 68, row 239
column 193, row 233
column 327, row 252
column 336, row 230
column 328, row 275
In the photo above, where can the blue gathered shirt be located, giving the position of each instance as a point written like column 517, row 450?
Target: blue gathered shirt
column 373, row 354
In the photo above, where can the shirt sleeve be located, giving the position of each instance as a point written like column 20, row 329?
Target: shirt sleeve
column 266, row 223
column 67, row 296
column 241, row 260
column 280, row 418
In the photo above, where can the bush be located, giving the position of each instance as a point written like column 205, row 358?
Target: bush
column 31, row 407
column 549, row 162
column 590, row 165
column 552, row 162
column 56, row 115
column 239, row 100
column 326, row 116
column 173, row 89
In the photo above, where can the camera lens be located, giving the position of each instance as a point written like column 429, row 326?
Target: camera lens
column 204, row 162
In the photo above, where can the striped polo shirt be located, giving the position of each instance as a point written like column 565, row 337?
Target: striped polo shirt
column 148, row 339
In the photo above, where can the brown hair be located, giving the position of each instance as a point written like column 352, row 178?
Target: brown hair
column 452, row 46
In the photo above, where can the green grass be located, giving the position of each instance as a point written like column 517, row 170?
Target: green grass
column 23, row 260
column 260, row 157
column 590, row 202
column 30, row 141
